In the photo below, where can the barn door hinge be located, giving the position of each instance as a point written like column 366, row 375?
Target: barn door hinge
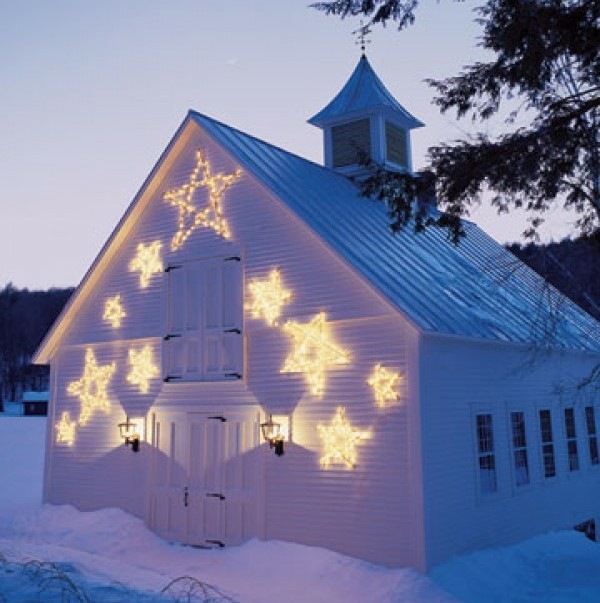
column 171, row 336
column 170, row 378
column 233, row 258
column 236, row 375
column 216, row 495
column 219, row 417
column 216, row 543
column 173, row 267
column 186, row 496
column 234, row 330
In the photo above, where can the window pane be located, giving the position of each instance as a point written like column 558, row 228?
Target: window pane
column 521, row 467
column 487, row 460
column 546, row 425
column 570, row 423
column 590, row 420
column 518, row 429
column 573, row 456
column 549, row 465
column 487, row 474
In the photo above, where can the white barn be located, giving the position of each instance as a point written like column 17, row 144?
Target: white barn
column 420, row 417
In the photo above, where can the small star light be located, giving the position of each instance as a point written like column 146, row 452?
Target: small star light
column 210, row 216
column 383, row 383
column 113, row 311
column 65, row 430
column 147, row 261
column 269, row 296
column 340, row 441
column 91, row 388
column 314, row 352
column 142, row 368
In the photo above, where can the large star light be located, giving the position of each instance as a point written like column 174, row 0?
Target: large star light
column 190, row 215
column 65, row 429
column 314, row 352
column 147, row 261
column 142, row 368
column 268, row 297
column 384, row 382
column 113, row 311
column 91, row 388
column 340, row 440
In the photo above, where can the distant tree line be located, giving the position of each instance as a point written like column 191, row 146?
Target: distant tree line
column 25, row 317
column 572, row 266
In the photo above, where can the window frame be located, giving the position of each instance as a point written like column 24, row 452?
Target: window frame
column 591, row 435
column 519, row 448
column 571, row 439
column 547, row 442
column 485, row 450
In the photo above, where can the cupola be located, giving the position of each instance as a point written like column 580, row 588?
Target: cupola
column 364, row 121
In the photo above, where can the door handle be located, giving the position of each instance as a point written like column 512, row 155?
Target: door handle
column 186, row 494
column 215, row 495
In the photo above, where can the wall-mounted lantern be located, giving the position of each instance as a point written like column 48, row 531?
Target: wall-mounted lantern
column 130, row 433
column 272, row 433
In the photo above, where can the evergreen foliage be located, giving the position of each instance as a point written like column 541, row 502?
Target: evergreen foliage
column 546, row 74
column 571, row 266
column 25, row 317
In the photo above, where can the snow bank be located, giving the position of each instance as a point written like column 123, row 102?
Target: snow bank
column 113, row 557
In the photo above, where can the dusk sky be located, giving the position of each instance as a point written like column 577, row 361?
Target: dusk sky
column 91, row 93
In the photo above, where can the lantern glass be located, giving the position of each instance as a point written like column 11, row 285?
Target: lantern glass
column 128, row 430
column 270, row 429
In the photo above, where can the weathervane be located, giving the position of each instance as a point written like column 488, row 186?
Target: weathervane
column 361, row 36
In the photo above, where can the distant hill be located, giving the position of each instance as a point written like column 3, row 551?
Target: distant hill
column 572, row 266
column 25, row 317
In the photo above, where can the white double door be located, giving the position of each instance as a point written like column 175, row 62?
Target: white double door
column 207, row 484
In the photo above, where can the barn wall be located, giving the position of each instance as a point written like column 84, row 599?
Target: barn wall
column 371, row 511
column 460, row 379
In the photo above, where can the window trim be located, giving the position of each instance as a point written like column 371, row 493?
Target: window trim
column 519, row 448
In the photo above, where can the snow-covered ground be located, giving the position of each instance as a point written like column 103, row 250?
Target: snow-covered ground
column 57, row 554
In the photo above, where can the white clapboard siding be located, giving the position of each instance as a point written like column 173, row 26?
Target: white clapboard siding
column 455, row 511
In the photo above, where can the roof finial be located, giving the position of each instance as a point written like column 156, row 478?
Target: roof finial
column 361, row 36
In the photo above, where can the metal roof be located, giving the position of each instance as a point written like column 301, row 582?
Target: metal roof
column 474, row 289
column 362, row 93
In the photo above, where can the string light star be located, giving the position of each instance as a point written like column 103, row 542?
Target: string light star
column 191, row 216
column 113, row 311
column 147, row 261
column 91, row 388
column 65, row 429
column 142, row 368
column 269, row 296
column 340, row 440
column 314, row 352
column 384, row 382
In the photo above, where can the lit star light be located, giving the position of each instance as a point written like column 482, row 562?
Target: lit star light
column 91, row 388
column 113, row 311
column 142, row 368
column 268, row 297
column 384, row 382
column 147, row 261
column 314, row 352
column 191, row 216
column 340, row 441
column 65, row 430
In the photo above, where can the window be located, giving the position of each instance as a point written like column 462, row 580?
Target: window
column 351, row 143
column 396, row 143
column 486, row 456
column 571, row 434
column 519, row 442
column 590, row 423
column 547, row 443
column 204, row 339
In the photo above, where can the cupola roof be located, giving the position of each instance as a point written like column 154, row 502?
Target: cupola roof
column 362, row 93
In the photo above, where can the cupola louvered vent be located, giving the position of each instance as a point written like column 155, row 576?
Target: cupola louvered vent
column 351, row 143
column 396, row 144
